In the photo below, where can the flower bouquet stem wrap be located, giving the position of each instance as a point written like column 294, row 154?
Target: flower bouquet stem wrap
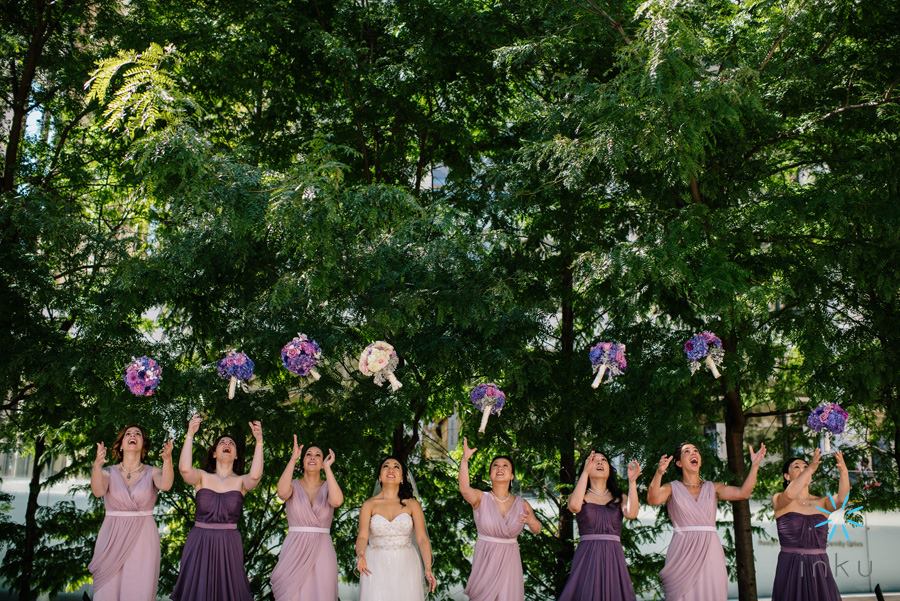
column 607, row 356
column 827, row 419
column 380, row 360
column 301, row 355
column 707, row 347
column 233, row 367
column 488, row 398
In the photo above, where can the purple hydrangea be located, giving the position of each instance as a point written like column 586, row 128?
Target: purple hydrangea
column 611, row 353
column 301, row 355
column 828, row 416
column 696, row 347
column 235, row 365
column 142, row 376
column 488, row 394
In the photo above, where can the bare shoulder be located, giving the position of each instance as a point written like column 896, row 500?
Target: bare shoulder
column 413, row 504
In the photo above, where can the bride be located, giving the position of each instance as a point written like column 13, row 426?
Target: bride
column 390, row 568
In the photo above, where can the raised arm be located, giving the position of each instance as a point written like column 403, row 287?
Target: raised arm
column 99, row 476
column 251, row 480
column 164, row 477
column 335, row 494
column 632, row 503
column 423, row 541
column 285, row 482
column 529, row 519
column 362, row 538
column 471, row 495
column 796, row 486
column 186, row 468
column 659, row 493
column 843, row 479
column 576, row 499
column 743, row 492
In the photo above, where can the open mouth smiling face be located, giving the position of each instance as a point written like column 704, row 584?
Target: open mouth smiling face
column 313, row 458
column 391, row 471
column 226, row 449
column 690, row 457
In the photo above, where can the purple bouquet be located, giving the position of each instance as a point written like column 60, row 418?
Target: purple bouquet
column 301, row 355
column 707, row 347
column 142, row 376
column 607, row 356
column 827, row 419
column 233, row 367
column 487, row 398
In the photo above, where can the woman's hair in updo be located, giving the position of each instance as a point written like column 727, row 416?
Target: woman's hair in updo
column 508, row 458
column 238, row 465
column 406, row 490
column 786, row 467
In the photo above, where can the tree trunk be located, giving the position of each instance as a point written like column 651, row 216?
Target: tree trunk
column 567, row 437
column 32, row 535
column 735, row 422
column 21, row 93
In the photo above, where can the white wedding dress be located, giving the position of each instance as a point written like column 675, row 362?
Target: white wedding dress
column 394, row 562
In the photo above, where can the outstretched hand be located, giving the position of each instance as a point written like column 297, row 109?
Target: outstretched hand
column 664, row 462
column 329, row 459
column 297, row 450
column 467, row 451
column 100, row 457
column 588, row 462
column 256, row 429
column 194, row 424
column 634, row 470
column 839, row 460
column 757, row 457
column 166, row 452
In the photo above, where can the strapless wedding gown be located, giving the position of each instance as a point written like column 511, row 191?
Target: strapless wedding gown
column 394, row 562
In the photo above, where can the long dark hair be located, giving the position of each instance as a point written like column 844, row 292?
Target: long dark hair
column 406, row 490
column 508, row 458
column 238, row 465
column 786, row 466
column 612, row 481
column 117, row 445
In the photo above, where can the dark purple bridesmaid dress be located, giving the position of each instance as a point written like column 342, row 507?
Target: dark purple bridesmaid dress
column 803, row 572
column 212, row 563
column 599, row 572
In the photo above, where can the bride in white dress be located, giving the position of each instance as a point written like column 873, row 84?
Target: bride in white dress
column 390, row 567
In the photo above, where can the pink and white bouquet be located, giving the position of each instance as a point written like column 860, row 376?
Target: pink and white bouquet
column 234, row 367
column 142, row 376
column 607, row 356
column 380, row 360
column 487, row 398
column 301, row 355
column 706, row 347
column 827, row 419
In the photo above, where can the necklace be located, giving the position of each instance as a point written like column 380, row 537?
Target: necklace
column 128, row 472
column 499, row 500
column 599, row 494
column 697, row 485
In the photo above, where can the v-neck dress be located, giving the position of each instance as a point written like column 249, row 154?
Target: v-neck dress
column 695, row 561
column 497, row 565
column 126, row 557
column 307, row 564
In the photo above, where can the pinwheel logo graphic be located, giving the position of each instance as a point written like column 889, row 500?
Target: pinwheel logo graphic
column 840, row 517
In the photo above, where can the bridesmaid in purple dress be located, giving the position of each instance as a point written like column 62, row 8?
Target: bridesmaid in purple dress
column 803, row 572
column 499, row 517
column 126, row 557
column 695, row 561
column 307, row 564
column 599, row 572
column 212, row 562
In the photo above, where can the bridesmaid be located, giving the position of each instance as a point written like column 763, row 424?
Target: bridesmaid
column 695, row 561
column 126, row 557
column 803, row 572
column 599, row 572
column 499, row 517
column 307, row 564
column 212, row 562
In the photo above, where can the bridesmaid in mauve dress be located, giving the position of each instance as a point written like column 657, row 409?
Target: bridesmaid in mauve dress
column 212, row 562
column 307, row 564
column 599, row 572
column 803, row 572
column 499, row 518
column 695, row 562
column 126, row 557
